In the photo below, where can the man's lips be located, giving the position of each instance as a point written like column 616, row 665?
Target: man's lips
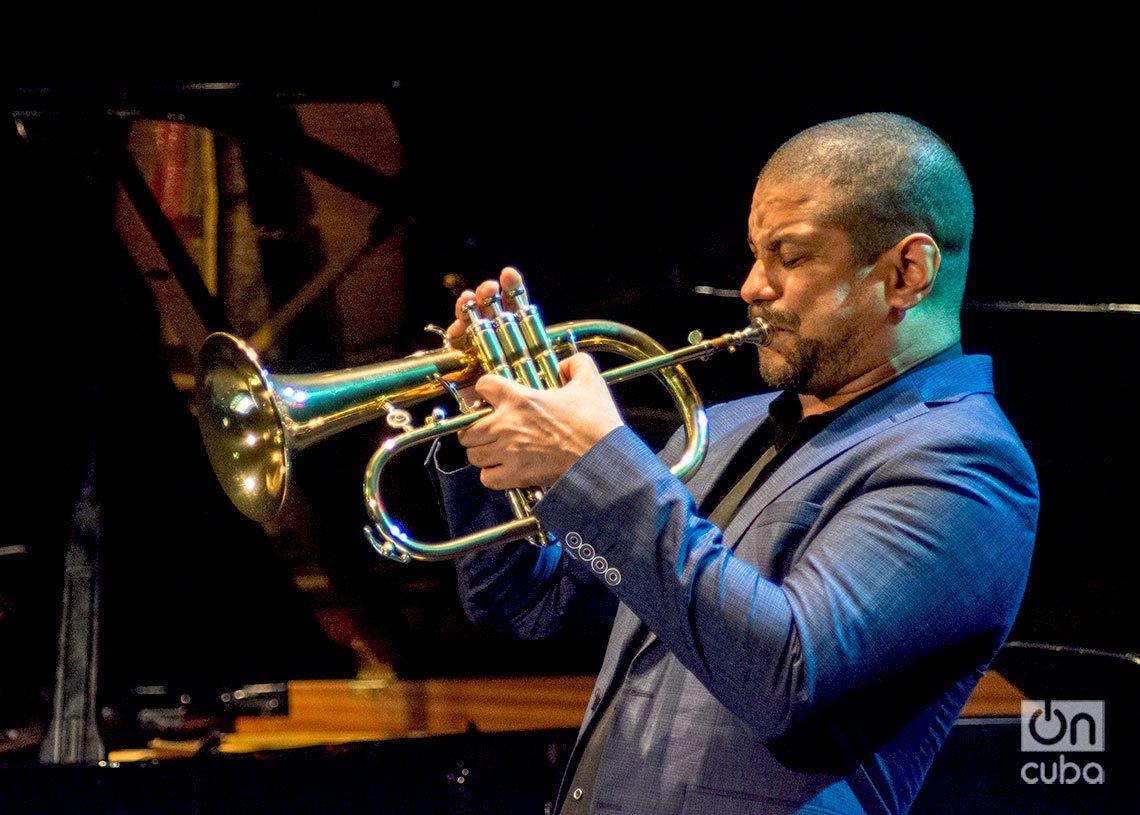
column 773, row 324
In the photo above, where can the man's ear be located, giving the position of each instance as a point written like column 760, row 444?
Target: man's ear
column 916, row 259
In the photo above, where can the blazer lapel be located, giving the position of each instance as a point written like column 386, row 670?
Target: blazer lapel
column 860, row 423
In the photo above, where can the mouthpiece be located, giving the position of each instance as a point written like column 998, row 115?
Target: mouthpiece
column 758, row 332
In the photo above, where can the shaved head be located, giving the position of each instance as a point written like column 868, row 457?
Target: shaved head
column 890, row 177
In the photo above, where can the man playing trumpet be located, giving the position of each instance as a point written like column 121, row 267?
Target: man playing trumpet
column 798, row 627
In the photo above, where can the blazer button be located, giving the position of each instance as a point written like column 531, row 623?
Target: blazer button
column 577, row 794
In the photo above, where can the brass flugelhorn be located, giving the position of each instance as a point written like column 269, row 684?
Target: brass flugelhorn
column 252, row 422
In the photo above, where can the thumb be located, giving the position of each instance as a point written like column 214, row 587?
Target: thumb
column 578, row 365
column 493, row 388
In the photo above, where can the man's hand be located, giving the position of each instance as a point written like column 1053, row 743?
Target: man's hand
column 533, row 436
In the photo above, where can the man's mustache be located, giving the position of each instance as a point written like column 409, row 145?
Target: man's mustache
column 785, row 320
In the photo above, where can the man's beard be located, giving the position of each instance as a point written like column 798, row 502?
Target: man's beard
column 810, row 365
column 796, row 368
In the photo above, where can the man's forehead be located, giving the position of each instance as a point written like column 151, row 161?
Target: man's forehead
column 788, row 205
column 790, row 189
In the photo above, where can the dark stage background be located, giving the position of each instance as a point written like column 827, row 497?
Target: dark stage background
column 618, row 188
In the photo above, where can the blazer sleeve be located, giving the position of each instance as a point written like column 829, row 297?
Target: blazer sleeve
column 517, row 589
column 932, row 551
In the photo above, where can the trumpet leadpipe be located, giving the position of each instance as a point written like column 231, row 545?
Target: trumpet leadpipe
column 757, row 333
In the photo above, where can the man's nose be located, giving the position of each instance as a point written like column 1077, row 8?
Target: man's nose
column 757, row 287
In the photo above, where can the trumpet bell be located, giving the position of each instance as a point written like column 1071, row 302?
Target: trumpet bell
column 242, row 426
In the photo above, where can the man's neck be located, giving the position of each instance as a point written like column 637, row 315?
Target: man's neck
column 813, row 404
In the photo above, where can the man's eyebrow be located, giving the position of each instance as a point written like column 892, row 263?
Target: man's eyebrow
column 774, row 243
column 781, row 238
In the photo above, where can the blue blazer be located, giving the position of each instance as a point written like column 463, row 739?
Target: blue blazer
column 812, row 656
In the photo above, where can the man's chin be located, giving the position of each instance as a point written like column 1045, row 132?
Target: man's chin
column 782, row 373
column 779, row 376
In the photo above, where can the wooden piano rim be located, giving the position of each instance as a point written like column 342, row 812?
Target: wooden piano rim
column 324, row 712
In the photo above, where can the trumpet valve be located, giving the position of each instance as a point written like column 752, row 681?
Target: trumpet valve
column 495, row 303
